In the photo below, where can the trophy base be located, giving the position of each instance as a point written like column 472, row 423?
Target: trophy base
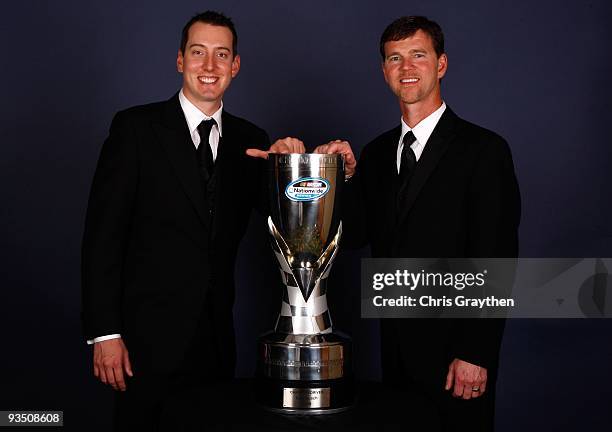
column 305, row 374
column 305, row 398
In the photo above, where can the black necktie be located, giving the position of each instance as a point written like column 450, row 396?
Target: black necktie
column 407, row 165
column 204, row 152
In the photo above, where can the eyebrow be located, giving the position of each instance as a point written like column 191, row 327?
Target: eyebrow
column 201, row 45
column 412, row 51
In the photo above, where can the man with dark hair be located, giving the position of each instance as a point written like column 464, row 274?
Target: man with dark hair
column 212, row 18
column 162, row 232
column 434, row 186
column 405, row 27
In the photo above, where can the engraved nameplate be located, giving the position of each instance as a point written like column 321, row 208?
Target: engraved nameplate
column 305, row 397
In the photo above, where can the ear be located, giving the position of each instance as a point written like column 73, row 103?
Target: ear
column 235, row 66
column 179, row 61
column 442, row 65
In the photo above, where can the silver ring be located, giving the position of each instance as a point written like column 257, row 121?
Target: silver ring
column 475, row 389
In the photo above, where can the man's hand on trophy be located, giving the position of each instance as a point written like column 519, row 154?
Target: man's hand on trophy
column 110, row 360
column 343, row 148
column 285, row 145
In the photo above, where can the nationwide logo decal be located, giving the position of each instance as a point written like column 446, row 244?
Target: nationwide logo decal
column 307, row 189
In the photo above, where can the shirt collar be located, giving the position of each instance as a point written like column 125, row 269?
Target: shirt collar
column 423, row 130
column 194, row 116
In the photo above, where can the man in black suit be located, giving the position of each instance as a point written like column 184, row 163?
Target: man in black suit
column 435, row 186
column 170, row 201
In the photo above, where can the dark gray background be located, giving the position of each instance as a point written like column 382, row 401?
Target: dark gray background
column 535, row 72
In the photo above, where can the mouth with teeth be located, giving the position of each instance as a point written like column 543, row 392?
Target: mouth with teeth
column 208, row 79
column 411, row 80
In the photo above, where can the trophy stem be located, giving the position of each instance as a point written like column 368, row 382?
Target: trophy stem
column 304, row 307
column 304, row 317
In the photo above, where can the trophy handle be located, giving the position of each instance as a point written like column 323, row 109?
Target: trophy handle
column 327, row 257
column 304, row 276
column 281, row 245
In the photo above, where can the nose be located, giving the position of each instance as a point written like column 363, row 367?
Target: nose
column 406, row 63
column 209, row 63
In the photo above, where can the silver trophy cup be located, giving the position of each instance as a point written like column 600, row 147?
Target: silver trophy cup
column 304, row 367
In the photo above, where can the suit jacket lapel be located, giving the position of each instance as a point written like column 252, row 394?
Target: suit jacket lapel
column 174, row 136
column 436, row 146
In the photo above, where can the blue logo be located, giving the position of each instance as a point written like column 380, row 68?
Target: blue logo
column 307, row 189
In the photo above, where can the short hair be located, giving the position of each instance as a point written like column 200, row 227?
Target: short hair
column 407, row 26
column 212, row 18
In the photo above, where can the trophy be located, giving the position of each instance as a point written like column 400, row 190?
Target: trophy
column 303, row 367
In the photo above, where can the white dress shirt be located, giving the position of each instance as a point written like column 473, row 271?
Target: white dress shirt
column 194, row 117
column 422, row 131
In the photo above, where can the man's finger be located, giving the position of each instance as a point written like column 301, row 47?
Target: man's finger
column 483, row 387
column 338, row 148
column 119, row 380
column 450, row 376
column 103, row 375
column 257, row 153
column 479, row 385
column 288, row 145
column 96, row 358
column 297, row 146
column 110, row 377
column 329, row 148
column 127, row 364
column 322, row 149
column 458, row 389
column 467, row 392
column 333, row 148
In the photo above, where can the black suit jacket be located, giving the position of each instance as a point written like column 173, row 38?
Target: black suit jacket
column 157, row 258
column 462, row 201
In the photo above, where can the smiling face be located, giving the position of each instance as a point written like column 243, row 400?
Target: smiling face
column 413, row 71
column 208, row 65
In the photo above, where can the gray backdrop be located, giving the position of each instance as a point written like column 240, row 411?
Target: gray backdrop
column 535, row 72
